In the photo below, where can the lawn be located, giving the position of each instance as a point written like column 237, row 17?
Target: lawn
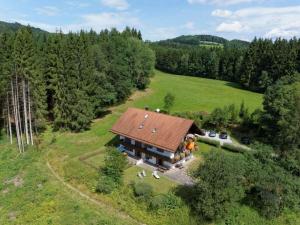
column 64, row 150
column 162, row 185
column 197, row 94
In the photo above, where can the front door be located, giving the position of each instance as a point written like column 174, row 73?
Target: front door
column 137, row 154
column 160, row 162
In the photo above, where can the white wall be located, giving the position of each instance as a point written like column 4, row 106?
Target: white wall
column 168, row 165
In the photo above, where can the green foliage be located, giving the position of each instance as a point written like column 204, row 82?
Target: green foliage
column 219, row 185
column 206, row 140
column 282, row 115
column 28, row 69
column 74, row 77
column 269, row 203
column 114, row 165
column 234, row 147
column 221, row 118
column 111, row 174
column 142, row 190
column 106, row 185
column 198, row 117
column 169, row 101
column 271, row 187
column 167, row 201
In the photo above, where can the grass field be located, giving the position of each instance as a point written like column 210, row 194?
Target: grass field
column 54, row 204
column 197, row 94
column 29, row 194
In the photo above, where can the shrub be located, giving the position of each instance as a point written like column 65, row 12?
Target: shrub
column 209, row 141
column 111, row 175
column 142, row 190
column 165, row 201
column 269, row 203
column 219, row 185
column 234, row 148
column 115, row 164
column 106, row 185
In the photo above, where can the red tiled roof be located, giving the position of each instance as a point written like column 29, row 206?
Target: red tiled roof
column 156, row 129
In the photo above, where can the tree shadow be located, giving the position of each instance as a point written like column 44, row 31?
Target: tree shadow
column 103, row 113
column 235, row 85
column 113, row 142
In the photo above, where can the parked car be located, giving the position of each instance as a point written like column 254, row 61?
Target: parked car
column 212, row 133
column 223, row 135
column 246, row 140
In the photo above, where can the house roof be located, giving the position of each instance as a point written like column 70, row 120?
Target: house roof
column 156, row 129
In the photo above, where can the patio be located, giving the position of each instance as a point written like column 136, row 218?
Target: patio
column 178, row 175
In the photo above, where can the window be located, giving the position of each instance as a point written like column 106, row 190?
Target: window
column 160, row 150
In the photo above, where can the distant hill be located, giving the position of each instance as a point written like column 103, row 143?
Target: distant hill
column 13, row 27
column 203, row 40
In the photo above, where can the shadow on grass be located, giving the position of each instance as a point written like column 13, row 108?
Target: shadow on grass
column 235, row 85
column 113, row 142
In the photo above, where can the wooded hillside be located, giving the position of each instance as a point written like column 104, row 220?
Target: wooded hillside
column 255, row 67
column 67, row 79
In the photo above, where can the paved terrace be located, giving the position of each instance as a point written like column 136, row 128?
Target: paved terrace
column 178, row 175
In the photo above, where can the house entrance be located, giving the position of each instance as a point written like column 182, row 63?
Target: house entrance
column 160, row 162
column 138, row 154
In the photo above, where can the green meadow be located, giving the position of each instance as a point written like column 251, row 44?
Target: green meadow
column 197, row 94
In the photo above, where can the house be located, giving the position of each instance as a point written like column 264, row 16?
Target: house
column 156, row 138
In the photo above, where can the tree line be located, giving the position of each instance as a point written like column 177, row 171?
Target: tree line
column 67, row 79
column 255, row 67
column 265, row 177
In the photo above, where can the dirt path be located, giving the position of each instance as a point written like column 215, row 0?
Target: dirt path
column 113, row 109
column 90, row 199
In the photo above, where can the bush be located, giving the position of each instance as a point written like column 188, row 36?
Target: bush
column 111, row 175
column 106, row 185
column 115, row 164
column 234, row 148
column 209, row 141
column 142, row 190
column 219, row 185
column 269, row 203
column 165, row 201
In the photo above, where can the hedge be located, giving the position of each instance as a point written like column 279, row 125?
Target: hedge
column 209, row 141
column 234, row 147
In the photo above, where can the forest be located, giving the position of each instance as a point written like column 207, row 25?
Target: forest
column 67, row 79
column 255, row 67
